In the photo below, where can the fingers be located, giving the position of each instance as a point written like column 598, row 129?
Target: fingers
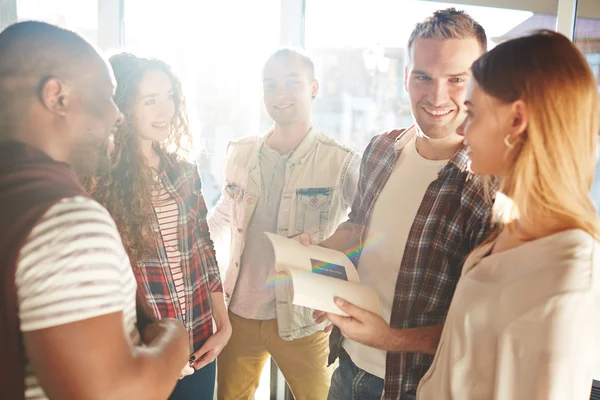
column 328, row 328
column 339, row 320
column 304, row 239
column 319, row 316
column 187, row 370
column 352, row 310
column 205, row 360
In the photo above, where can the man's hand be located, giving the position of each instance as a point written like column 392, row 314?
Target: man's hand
column 211, row 348
column 321, row 316
column 187, row 370
column 304, row 238
column 153, row 330
column 361, row 325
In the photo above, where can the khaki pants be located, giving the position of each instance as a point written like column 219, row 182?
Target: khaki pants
column 303, row 362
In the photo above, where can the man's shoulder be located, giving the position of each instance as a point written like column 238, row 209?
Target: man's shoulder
column 385, row 141
column 77, row 216
column 243, row 147
column 245, row 142
column 326, row 140
column 77, row 205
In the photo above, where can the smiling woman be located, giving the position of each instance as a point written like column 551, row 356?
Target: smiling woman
column 156, row 200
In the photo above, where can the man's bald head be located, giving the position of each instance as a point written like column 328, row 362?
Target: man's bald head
column 31, row 52
column 56, row 93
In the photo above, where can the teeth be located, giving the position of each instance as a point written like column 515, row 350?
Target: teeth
column 438, row 112
column 161, row 125
column 284, row 106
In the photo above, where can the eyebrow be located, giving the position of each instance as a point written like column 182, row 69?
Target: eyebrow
column 460, row 74
column 156, row 94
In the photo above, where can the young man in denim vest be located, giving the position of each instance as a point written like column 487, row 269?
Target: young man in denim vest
column 292, row 180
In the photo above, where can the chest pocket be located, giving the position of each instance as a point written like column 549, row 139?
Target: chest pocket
column 312, row 213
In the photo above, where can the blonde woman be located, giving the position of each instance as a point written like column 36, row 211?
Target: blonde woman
column 524, row 323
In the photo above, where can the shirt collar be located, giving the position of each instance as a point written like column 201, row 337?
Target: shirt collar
column 303, row 148
column 459, row 160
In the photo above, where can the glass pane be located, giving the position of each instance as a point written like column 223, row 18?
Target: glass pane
column 218, row 53
column 361, row 71
column 587, row 38
column 80, row 16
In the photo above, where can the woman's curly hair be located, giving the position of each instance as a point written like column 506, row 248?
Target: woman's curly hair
column 126, row 191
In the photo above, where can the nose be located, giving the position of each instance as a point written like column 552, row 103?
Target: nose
column 166, row 110
column 440, row 93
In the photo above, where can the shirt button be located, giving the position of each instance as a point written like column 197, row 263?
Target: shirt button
column 249, row 201
column 189, row 329
column 313, row 201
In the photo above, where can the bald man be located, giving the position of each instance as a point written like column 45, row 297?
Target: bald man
column 68, row 294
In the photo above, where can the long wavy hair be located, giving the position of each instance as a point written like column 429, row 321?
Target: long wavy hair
column 126, row 191
column 551, row 167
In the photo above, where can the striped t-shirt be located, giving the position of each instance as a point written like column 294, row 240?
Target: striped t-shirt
column 71, row 268
column 167, row 214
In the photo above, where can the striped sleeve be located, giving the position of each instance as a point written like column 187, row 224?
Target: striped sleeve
column 70, row 268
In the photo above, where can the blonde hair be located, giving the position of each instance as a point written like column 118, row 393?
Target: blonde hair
column 551, row 167
column 448, row 24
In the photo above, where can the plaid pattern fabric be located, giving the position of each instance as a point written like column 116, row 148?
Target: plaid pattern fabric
column 198, row 263
column 452, row 219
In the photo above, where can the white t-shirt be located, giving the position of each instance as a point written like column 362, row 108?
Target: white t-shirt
column 391, row 219
column 73, row 267
column 523, row 324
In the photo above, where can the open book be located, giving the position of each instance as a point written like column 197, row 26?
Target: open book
column 318, row 274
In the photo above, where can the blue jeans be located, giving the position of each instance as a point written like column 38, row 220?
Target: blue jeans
column 198, row 386
column 352, row 383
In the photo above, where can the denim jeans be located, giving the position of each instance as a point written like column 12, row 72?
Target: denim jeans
column 198, row 386
column 352, row 383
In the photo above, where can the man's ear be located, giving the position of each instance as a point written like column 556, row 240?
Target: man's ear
column 55, row 95
column 315, row 88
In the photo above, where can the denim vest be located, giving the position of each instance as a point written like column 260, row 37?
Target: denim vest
column 320, row 184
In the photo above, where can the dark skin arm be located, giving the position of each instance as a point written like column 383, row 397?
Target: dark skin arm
column 93, row 359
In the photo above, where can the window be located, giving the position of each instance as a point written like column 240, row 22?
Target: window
column 587, row 39
column 80, row 16
column 218, row 51
column 360, row 63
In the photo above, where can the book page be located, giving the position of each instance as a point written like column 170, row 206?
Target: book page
column 317, row 292
column 289, row 253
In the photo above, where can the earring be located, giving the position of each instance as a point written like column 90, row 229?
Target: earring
column 508, row 143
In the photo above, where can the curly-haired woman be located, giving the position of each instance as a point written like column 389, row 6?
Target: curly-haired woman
column 155, row 198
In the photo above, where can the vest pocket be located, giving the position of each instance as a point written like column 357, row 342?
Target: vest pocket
column 312, row 211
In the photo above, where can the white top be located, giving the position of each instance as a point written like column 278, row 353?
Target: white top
column 167, row 214
column 523, row 324
column 391, row 219
column 254, row 296
column 73, row 267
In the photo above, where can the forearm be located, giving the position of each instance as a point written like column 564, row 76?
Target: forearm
column 220, row 311
column 218, row 220
column 157, row 365
column 343, row 239
column 414, row 340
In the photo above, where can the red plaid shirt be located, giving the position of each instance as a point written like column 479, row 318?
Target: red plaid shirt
column 453, row 218
column 198, row 263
